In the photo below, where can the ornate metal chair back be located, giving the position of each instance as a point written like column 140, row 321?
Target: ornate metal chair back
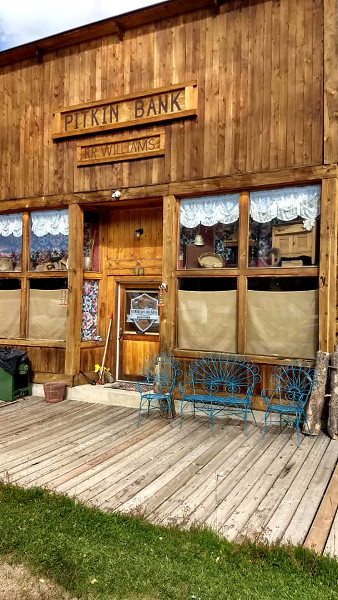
column 294, row 384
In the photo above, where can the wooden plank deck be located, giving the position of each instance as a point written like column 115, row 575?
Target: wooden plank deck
column 241, row 487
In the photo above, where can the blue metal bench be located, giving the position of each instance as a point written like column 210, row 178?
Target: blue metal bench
column 218, row 384
column 285, row 400
column 161, row 372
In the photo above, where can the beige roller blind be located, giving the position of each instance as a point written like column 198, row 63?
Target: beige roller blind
column 207, row 321
column 283, row 323
column 10, row 313
column 47, row 316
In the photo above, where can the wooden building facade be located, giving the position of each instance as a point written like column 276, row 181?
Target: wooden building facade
column 174, row 168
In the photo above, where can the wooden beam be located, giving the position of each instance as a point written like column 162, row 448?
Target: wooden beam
column 328, row 265
column 170, row 254
column 75, row 274
column 330, row 81
column 242, row 283
column 24, row 282
column 227, row 183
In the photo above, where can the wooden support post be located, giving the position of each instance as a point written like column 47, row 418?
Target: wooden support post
column 328, row 265
column 332, row 423
column 75, row 275
column 170, row 254
column 242, row 288
column 169, row 265
column 24, row 281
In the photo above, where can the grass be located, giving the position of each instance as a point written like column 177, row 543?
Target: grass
column 110, row 556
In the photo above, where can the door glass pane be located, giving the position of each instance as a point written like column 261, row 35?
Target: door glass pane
column 141, row 312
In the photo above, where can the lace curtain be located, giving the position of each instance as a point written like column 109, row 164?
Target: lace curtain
column 209, row 210
column 11, row 225
column 285, row 204
column 50, row 221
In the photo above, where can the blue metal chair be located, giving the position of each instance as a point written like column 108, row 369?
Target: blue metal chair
column 161, row 372
column 286, row 399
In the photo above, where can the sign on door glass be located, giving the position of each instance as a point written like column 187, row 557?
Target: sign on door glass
column 141, row 314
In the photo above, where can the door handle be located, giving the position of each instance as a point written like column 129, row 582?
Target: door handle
column 120, row 333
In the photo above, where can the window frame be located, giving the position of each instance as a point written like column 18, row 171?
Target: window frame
column 243, row 273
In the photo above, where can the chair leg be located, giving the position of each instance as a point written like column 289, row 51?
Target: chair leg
column 181, row 414
column 253, row 416
column 265, row 425
column 212, row 420
column 297, row 431
column 246, row 422
column 139, row 414
column 169, row 412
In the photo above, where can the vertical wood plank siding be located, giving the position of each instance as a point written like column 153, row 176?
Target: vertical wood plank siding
column 259, row 71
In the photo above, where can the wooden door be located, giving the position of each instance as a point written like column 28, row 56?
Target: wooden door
column 138, row 328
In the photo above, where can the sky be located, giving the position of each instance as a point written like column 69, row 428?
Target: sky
column 23, row 21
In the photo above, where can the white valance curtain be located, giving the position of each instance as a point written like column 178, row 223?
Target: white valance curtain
column 11, row 225
column 50, row 221
column 285, row 204
column 209, row 210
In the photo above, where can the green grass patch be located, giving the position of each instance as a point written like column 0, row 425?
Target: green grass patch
column 109, row 556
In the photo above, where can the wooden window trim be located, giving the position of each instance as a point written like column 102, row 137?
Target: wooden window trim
column 243, row 273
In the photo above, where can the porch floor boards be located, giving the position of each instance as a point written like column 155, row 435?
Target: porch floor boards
column 241, row 487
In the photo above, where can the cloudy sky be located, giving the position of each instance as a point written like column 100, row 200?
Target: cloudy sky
column 24, row 21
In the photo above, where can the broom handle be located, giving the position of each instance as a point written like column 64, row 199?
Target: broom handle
column 105, row 348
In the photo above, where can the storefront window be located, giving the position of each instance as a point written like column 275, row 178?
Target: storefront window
column 10, row 242
column 264, row 314
column 284, row 227
column 90, row 293
column 47, row 309
column 91, row 241
column 49, row 240
column 283, row 317
column 209, row 232
column 206, row 316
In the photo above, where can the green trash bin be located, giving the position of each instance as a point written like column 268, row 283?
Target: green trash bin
column 19, row 384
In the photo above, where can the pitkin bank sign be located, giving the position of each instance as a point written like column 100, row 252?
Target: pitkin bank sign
column 174, row 102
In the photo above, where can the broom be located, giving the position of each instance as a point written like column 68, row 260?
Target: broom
column 101, row 381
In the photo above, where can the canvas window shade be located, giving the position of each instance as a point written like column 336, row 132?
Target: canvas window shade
column 207, row 320
column 283, row 324
column 47, row 316
column 10, row 313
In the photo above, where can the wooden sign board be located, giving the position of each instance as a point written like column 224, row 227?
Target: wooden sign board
column 162, row 104
column 117, row 149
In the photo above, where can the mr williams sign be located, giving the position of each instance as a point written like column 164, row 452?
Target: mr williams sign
column 120, row 149
column 174, row 102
